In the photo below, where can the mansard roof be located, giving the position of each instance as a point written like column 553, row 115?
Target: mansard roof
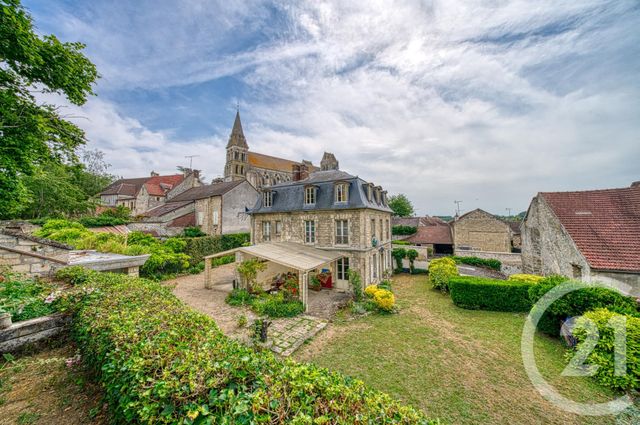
column 288, row 197
column 237, row 135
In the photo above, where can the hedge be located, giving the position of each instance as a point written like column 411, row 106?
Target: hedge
column 161, row 362
column 403, row 230
column 199, row 247
column 441, row 271
column 480, row 293
column 480, row 262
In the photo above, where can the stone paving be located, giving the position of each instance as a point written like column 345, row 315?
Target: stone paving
column 285, row 335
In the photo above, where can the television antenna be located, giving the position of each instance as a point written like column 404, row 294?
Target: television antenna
column 191, row 160
column 457, row 206
column 508, row 212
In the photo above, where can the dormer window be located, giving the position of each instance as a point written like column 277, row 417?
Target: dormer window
column 377, row 195
column 369, row 192
column 342, row 192
column 310, row 195
column 267, row 198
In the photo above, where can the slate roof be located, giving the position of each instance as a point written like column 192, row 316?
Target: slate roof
column 290, row 196
column 155, row 185
column 165, row 208
column 405, row 221
column 206, row 191
column 604, row 224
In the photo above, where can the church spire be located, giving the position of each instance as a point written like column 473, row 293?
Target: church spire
column 237, row 135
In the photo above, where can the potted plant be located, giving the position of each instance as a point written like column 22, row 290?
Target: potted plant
column 314, row 283
column 5, row 319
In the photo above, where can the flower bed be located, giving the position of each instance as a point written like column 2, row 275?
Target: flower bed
column 159, row 361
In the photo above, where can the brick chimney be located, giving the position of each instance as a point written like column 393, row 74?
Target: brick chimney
column 304, row 171
column 154, row 174
column 295, row 169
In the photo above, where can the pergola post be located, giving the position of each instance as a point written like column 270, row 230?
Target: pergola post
column 303, row 288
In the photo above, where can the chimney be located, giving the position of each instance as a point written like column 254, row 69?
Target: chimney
column 295, row 168
column 154, row 174
column 635, row 184
column 304, row 171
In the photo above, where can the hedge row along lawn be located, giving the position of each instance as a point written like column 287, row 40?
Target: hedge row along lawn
column 159, row 361
column 481, row 293
column 489, row 263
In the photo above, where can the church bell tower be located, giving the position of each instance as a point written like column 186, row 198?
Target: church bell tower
column 236, row 166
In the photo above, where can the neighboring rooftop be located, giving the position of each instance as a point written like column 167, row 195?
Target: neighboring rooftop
column 432, row 234
column 206, row 191
column 155, row 185
column 269, row 162
column 604, row 224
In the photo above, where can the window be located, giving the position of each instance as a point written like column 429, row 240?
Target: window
column 388, row 230
column 267, row 198
column 215, row 218
column 369, row 192
column 373, row 227
column 278, row 227
column 343, row 269
column 374, row 267
column 309, row 231
column 342, row 232
column 342, row 192
column 199, row 218
column 309, row 195
column 381, row 230
column 266, row 231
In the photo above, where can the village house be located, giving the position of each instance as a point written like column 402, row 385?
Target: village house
column 218, row 208
column 479, row 230
column 589, row 235
column 332, row 211
column 433, row 233
column 144, row 193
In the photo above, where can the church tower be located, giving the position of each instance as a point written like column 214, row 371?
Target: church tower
column 329, row 162
column 236, row 166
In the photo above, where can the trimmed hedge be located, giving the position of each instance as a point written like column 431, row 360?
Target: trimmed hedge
column 489, row 263
column 578, row 302
column 403, row 230
column 162, row 362
column 199, row 247
column 480, row 293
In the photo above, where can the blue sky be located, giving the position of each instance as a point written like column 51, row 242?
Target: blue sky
column 487, row 102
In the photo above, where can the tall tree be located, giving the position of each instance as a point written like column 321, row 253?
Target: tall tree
column 401, row 205
column 33, row 133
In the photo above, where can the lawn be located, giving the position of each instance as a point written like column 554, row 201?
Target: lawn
column 463, row 366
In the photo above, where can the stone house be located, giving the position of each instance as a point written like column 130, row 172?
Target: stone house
column 144, row 193
column 588, row 235
column 434, row 233
column 479, row 230
column 265, row 170
column 331, row 211
column 216, row 209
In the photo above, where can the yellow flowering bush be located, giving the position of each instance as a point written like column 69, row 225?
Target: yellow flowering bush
column 370, row 290
column 523, row 277
column 384, row 299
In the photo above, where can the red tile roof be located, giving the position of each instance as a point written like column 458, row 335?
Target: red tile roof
column 155, row 185
column 160, row 185
column 604, row 224
column 432, row 234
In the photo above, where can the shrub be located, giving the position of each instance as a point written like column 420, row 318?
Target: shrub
column 440, row 271
column 356, row 284
column 412, row 254
column 161, row 362
column 480, row 293
column 385, row 284
column 140, row 238
column 219, row 261
column 102, row 220
column 401, row 242
column 52, row 226
column 175, row 244
column 576, row 303
column 199, row 247
column 603, row 354
column 489, row 263
column 193, row 232
column 403, row 230
column 522, row 277
column 399, row 254
column 277, row 305
column 249, row 269
column 25, row 298
column 120, row 211
column 370, row 290
column 74, row 275
column 239, row 297
column 384, row 300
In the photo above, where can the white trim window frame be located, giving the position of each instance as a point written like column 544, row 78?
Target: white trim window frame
column 342, row 266
column 342, row 232
column 267, row 199
column 309, row 195
column 342, row 193
column 266, row 231
column 309, row 231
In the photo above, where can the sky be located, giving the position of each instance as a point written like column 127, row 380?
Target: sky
column 484, row 102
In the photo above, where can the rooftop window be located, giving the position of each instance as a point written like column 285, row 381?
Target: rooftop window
column 267, row 198
column 310, row 195
column 342, row 192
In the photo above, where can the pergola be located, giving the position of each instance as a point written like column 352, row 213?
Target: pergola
column 301, row 258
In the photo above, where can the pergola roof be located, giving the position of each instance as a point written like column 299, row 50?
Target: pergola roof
column 296, row 256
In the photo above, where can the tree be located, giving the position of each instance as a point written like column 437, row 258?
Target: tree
column 33, row 133
column 93, row 176
column 401, row 205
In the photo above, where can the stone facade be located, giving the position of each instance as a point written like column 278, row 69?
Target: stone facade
column 548, row 249
column 209, row 214
column 31, row 256
column 370, row 261
column 478, row 230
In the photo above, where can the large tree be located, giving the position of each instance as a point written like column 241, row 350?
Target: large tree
column 401, row 205
column 33, row 133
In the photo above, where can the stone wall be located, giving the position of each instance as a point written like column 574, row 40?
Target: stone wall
column 481, row 231
column 158, row 229
column 32, row 256
column 234, row 204
column 204, row 214
column 28, row 332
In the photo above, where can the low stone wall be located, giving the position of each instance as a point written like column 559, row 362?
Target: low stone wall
column 157, row 229
column 511, row 262
column 32, row 331
column 33, row 256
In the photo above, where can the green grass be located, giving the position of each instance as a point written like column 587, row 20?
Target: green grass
column 463, row 366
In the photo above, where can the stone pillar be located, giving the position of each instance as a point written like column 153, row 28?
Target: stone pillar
column 207, row 273
column 133, row 271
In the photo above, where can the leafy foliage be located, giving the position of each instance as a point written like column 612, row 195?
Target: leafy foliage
column 478, row 293
column 161, row 362
column 398, row 254
column 239, row 297
column 523, row 277
column 489, row 263
column 355, row 281
column 34, row 134
column 249, row 270
column 25, row 298
column 380, row 297
column 193, row 232
column 400, row 242
column 199, row 247
column 603, row 354
column 403, row 230
column 277, row 305
column 401, row 205
column 440, row 271
column 412, row 254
